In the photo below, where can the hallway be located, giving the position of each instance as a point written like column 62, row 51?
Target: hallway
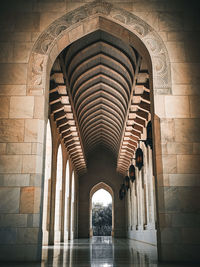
column 99, row 95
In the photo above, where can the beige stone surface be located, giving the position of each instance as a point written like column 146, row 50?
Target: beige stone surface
column 150, row 17
column 188, row 199
column 2, row 148
column 33, row 220
column 47, row 18
column 4, row 104
column 91, row 25
column 167, row 130
column 187, row 130
column 185, row 73
column 16, row 37
column 73, row 5
column 13, row 220
column 27, row 199
column 13, row 73
column 9, row 200
column 159, row 106
column 18, row 148
column 36, row 179
column 6, row 52
column 11, row 130
column 14, row 179
column 169, row 163
column 21, row 52
column 34, row 130
column 177, row 107
column 188, row 164
column 12, row 90
column 27, row 21
column 176, row 51
column 10, row 163
column 63, row 42
column 54, row 53
column 179, row 148
column 27, row 235
column 32, row 164
column 196, row 148
column 185, row 89
column 21, row 107
column 37, row 149
column 76, row 33
column 49, row 6
column 39, row 103
column 195, row 106
column 184, row 180
column 193, row 54
column 170, row 21
column 34, row 36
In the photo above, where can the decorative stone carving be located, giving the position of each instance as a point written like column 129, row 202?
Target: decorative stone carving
column 154, row 44
column 36, row 73
column 160, row 61
column 37, row 70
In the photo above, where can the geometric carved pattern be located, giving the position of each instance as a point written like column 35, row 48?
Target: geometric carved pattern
column 100, row 71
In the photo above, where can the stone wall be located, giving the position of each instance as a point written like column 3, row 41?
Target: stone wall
column 23, row 118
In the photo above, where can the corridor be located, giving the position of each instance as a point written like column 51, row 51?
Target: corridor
column 99, row 95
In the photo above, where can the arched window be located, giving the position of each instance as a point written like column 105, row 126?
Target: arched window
column 72, row 206
column 102, row 213
column 58, row 196
column 47, row 184
column 66, row 212
column 103, row 194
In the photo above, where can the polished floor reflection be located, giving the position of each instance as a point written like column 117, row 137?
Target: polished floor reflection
column 99, row 252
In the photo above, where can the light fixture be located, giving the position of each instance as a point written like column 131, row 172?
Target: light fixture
column 139, row 158
column 149, row 141
column 122, row 192
column 127, row 182
column 132, row 172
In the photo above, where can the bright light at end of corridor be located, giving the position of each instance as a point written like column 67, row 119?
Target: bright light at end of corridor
column 102, row 196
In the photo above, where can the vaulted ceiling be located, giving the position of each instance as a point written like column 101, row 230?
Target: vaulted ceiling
column 96, row 84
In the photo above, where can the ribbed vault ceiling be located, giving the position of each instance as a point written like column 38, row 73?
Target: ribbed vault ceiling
column 100, row 96
column 100, row 72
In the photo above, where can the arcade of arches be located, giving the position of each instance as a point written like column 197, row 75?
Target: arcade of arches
column 79, row 83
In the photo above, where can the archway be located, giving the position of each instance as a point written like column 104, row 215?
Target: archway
column 101, row 213
column 47, row 183
column 58, row 196
column 66, row 211
column 72, row 207
column 93, row 191
column 126, row 26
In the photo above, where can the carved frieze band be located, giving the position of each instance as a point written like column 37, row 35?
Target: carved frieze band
column 154, row 44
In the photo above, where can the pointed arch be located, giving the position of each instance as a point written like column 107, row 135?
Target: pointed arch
column 99, row 15
column 93, row 190
column 47, row 185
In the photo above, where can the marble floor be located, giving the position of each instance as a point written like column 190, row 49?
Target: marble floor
column 99, row 252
